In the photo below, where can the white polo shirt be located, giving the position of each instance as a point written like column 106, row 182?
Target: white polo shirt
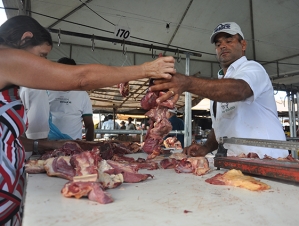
column 256, row 117
column 67, row 110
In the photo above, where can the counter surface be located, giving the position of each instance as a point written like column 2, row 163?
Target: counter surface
column 163, row 201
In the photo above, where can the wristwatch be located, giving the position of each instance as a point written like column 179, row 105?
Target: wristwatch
column 35, row 147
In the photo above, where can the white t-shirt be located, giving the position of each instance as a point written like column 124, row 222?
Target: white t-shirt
column 37, row 109
column 110, row 125
column 67, row 109
column 256, row 117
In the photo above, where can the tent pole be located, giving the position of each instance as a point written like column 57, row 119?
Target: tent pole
column 188, row 106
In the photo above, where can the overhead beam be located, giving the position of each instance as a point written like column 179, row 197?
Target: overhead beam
column 123, row 42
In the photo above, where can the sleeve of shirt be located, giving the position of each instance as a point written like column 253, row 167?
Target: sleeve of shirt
column 86, row 105
column 256, row 77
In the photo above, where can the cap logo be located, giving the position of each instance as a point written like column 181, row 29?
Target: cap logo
column 221, row 27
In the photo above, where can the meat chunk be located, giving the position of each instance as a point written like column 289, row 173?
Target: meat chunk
column 237, row 179
column 196, row 165
column 60, row 167
column 93, row 190
column 35, row 166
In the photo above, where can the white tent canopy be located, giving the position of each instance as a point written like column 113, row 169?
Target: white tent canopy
column 271, row 28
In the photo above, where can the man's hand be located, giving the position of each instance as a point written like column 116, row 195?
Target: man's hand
column 176, row 86
column 196, row 150
column 161, row 68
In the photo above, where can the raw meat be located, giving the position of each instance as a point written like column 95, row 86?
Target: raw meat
column 35, row 166
column 129, row 172
column 124, row 89
column 237, row 179
column 93, row 190
column 86, row 162
column 158, row 129
column 172, row 142
column 60, row 167
column 196, row 165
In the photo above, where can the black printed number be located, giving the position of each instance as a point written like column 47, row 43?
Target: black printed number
column 122, row 33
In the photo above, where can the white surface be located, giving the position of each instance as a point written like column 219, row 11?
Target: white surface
column 162, row 201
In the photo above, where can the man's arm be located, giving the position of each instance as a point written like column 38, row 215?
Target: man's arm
column 222, row 90
column 43, row 144
column 89, row 127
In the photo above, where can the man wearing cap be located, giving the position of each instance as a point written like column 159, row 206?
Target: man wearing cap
column 242, row 100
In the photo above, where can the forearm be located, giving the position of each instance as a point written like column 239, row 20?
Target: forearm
column 89, row 134
column 42, row 145
column 222, row 90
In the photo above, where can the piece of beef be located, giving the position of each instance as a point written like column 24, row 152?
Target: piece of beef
column 158, row 129
column 60, row 167
column 124, row 89
column 196, row 165
column 129, row 172
column 68, row 149
column 35, row 166
column 93, row 190
column 168, row 163
column 86, row 162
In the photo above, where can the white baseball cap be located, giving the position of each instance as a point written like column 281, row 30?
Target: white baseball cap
column 173, row 110
column 227, row 27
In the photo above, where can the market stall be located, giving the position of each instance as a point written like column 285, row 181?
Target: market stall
column 167, row 199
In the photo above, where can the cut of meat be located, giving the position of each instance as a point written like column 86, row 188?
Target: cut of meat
column 35, row 166
column 237, row 179
column 68, row 149
column 178, row 156
column 159, row 128
column 124, row 89
column 200, row 165
column 60, row 167
column 86, row 162
column 129, row 172
column 168, row 163
column 108, row 180
column 196, row 165
column 172, row 142
column 93, row 190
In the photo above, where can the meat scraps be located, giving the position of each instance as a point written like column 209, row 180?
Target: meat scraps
column 158, row 129
column 35, row 166
column 237, row 179
column 172, row 142
column 93, row 190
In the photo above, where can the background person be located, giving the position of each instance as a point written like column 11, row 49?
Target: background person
column 242, row 100
column 130, row 125
column 24, row 44
column 69, row 108
column 110, row 125
column 177, row 124
column 122, row 125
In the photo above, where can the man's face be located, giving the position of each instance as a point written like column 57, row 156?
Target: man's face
column 42, row 50
column 228, row 48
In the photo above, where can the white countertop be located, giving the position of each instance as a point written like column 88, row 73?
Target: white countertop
column 162, row 201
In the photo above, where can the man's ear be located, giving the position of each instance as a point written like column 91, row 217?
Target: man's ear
column 244, row 44
column 27, row 34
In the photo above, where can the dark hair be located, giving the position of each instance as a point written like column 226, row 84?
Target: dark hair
column 110, row 116
column 13, row 29
column 65, row 60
